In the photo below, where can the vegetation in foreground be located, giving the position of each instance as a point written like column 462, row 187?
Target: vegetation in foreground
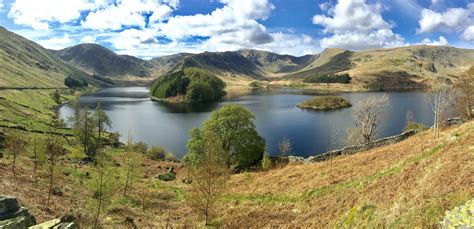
column 188, row 85
column 325, row 103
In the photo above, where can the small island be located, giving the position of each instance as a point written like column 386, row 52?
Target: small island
column 325, row 103
column 187, row 86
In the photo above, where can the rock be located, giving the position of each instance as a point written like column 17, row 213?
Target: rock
column 171, row 170
column 187, row 181
column 295, row 159
column 453, row 121
column 65, row 222
column 460, row 217
column 12, row 215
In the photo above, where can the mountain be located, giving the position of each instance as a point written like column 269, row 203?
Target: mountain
column 23, row 63
column 96, row 59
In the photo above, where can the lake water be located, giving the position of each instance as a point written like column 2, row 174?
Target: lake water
column 276, row 116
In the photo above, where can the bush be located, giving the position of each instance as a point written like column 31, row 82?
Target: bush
column 74, row 83
column 141, row 147
column 170, row 156
column 266, row 162
column 418, row 127
column 344, row 78
column 167, row 177
column 156, row 153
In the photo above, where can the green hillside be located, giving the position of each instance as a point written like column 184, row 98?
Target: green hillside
column 24, row 63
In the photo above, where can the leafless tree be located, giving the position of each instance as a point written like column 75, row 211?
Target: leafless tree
column 284, row 146
column 132, row 166
column 440, row 96
column 465, row 99
column 367, row 116
column 209, row 178
column 15, row 146
column 53, row 152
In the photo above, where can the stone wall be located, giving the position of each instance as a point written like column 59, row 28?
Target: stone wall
column 353, row 149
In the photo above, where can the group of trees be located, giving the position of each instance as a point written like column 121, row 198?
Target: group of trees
column 343, row 78
column 90, row 127
column 194, row 84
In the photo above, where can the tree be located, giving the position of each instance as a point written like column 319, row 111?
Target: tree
column 53, row 152
column 56, row 97
column 234, row 127
column 132, row 166
column 102, row 121
column 37, row 154
column 15, row 146
column 76, row 118
column 465, row 100
column 367, row 115
column 440, row 96
column 85, row 132
column 284, row 146
column 209, row 177
column 103, row 187
column 266, row 162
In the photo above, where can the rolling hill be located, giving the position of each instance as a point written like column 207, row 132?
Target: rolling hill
column 23, row 63
column 96, row 59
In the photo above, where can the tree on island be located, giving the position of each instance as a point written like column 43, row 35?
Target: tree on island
column 233, row 125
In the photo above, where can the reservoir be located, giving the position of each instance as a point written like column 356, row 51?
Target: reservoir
column 276, row 117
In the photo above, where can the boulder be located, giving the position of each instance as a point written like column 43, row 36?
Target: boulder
column 12, row 215
column 295, row 159
column 66, row 222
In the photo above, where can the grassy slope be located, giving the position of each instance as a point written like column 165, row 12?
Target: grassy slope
column 24, row 63
column 410, row 184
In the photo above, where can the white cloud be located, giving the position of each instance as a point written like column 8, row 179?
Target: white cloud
column 38, row 14
column 458, row 20
column 1, row 5
column 442, row 41
column 88, row 39
column 56, row 43
column 356, row 25
column 468, row 34
column 126, row 13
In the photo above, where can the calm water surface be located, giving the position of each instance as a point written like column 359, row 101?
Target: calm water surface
column 276, row 116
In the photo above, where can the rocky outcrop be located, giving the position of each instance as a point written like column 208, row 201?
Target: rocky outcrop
column 12, row 215
column 460, row 217
column 353, row 149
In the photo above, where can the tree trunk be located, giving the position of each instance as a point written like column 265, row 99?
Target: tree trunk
column 99, row 204
column 13, row 165
column 51, row 176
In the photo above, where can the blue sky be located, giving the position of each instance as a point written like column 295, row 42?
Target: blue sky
column 149, row 28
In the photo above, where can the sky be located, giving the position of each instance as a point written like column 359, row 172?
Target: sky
column 151, row 28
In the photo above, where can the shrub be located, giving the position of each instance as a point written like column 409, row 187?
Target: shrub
column 266, row 162
column 141, row 147
column 344, row 78
column 170, row 156
column 167, row 177
column 418, row 127
column 156, row 153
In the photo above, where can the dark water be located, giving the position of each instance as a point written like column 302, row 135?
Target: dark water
column 167, row 125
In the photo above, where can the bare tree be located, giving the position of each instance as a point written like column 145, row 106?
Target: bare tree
column 284, row 146
column 465, row 99
column 53, row 152
column 132, row 166
column 209, row 177
column 15, row 146
column 103, row 187
column 367, row 116
column 440, row 96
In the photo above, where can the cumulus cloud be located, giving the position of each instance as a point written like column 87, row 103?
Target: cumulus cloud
column 356, row 25
column 56, row 43
column 88, row 39
column 126, row 13
column 38, row 14
column 442, row 41
column 468, row 34
column 458, row 20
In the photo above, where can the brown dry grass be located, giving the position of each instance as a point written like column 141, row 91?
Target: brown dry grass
column 409, row 184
